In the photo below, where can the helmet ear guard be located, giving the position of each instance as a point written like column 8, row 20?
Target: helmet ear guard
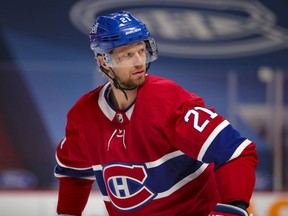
column 152, row 49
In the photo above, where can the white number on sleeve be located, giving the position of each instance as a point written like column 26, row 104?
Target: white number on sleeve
column 195, row 112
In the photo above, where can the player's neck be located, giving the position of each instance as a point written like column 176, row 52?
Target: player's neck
column 119, row 100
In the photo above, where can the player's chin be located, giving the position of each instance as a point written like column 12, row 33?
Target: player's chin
column 140, row 81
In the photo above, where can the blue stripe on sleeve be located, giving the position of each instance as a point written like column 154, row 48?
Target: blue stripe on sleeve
column 64, row 171
column 223, row 146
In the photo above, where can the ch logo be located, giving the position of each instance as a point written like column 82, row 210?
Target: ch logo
column 126, row 186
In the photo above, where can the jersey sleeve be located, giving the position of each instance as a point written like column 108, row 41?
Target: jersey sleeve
column 73, row 170
column 206, row 136
column 72, row 155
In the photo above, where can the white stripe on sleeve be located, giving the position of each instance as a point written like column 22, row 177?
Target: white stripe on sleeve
column 210, row 139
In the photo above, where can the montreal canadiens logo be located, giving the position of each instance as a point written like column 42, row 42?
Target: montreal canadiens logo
column 196, row 28
column 126, row 186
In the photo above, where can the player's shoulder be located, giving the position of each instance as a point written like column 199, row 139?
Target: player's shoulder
column 163, row 87
column 158, row 81
column 87, row 101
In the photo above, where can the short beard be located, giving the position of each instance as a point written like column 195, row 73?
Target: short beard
column 132, row 84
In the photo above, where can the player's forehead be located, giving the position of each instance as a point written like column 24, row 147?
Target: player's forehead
column 129, row 48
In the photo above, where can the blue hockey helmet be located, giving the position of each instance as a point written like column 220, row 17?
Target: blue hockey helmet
column 120, row 29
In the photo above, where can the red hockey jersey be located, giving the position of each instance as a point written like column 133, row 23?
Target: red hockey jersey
column 167, row 154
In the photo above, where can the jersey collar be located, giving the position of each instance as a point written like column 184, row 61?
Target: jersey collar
column 106, row 105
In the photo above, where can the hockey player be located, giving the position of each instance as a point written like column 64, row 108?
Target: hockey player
column 153, row 147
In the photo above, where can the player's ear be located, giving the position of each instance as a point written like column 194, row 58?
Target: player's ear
column 102, row 62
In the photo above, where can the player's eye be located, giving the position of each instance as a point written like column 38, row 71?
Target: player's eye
column 141, row 51
column 125, row 56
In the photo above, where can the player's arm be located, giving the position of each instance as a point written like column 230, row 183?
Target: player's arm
column 206, row 136
column 74, row 172
column 236, row 177
column 73, row 195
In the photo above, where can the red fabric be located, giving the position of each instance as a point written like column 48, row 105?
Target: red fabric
column 236, row 179
column 73, row 195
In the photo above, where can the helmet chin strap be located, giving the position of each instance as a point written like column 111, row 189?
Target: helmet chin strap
column 116, row 83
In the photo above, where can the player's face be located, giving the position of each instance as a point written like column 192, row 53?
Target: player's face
column 129, row 64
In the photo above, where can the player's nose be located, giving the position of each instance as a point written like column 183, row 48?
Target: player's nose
column 139, row 59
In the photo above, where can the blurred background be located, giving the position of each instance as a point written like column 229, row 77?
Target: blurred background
column 232, row 53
